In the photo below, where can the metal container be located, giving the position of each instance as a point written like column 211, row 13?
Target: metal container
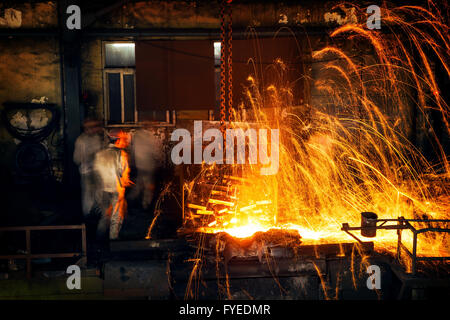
column 368, row 224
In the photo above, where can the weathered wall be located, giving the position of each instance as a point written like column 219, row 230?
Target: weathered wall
column 206, row 14
column 92, row 76
column 28, row 15
column 31, row 65
column 30, row 69
column 203, row 14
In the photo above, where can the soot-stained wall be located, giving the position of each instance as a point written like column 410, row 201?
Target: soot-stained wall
column 30, row 66
column 30, row 69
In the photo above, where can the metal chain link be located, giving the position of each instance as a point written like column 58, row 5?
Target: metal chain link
column 222, row 67
column 230, row 62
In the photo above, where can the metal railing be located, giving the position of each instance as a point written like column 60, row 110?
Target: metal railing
column 404, row 224
column 28, row 256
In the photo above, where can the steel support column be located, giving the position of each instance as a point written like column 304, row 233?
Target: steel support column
column 70, row 86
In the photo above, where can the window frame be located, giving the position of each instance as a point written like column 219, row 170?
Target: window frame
column 122, row 71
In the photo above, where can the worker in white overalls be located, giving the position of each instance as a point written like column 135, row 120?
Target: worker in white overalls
column 111, row 164
column 147, row 153
column 86, row 146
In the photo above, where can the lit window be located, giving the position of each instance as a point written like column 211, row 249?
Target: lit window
column 119, row 55
column 217, row 48
column 119, row 79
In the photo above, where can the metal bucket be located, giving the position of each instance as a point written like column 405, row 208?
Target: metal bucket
column 368, row 224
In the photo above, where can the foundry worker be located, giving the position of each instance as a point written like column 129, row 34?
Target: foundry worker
column 86, row 146
column 111, row 164
column 147, row 153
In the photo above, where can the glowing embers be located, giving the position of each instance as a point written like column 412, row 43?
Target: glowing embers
column 232, row 200
column 219, row 202
column 275, row 244
column 261, row 245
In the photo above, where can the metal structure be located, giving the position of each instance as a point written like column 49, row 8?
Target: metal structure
column 234, row 271
column 402, row 224
column 28, row 256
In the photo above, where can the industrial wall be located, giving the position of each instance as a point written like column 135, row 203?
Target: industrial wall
column 31, row 64
column 30, row 69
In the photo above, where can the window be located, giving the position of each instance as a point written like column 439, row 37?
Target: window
column 119, row 83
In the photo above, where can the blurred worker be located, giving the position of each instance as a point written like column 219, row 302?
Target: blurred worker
column 111, row 164
column 86, row 146
column 147, row 153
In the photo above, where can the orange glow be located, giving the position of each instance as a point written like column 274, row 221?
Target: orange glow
column 334, row 165
column 124, row 180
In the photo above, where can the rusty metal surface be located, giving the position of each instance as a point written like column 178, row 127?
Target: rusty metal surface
column 328, row 271
column 282, row 261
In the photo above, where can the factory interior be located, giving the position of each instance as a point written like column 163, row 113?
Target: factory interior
column 224, row 150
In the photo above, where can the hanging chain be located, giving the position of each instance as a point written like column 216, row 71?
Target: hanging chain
column 222, row 67
column 230, row 63
column 226, row 63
